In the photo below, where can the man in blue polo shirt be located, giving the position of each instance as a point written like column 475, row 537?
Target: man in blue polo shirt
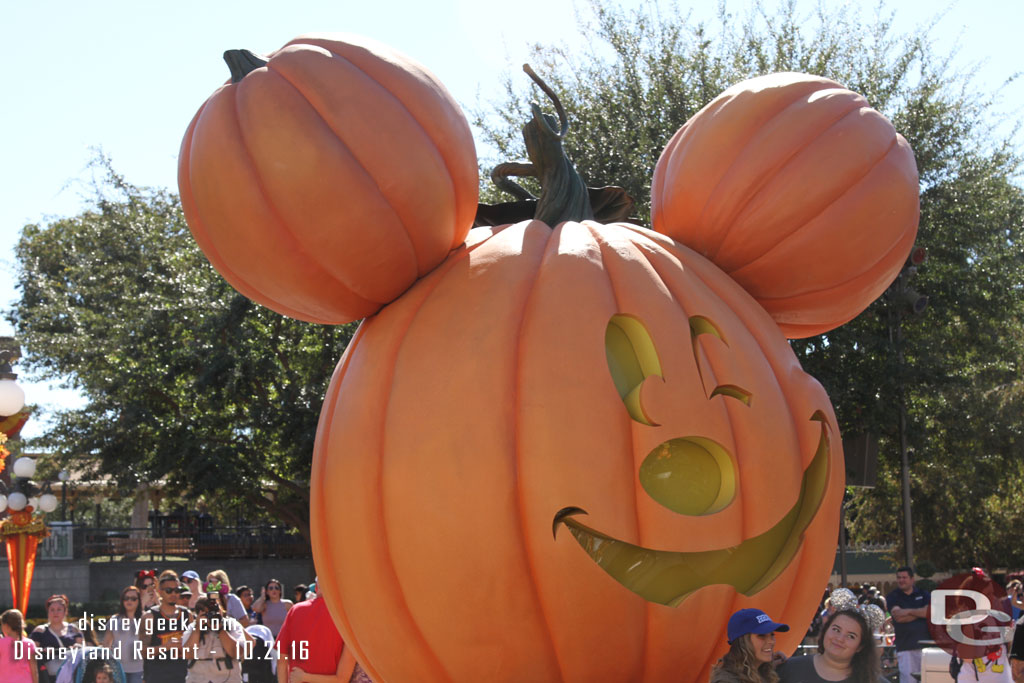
column 909, row 609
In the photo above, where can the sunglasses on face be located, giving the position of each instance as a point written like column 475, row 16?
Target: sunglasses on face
column 147, row 585
column 133, row 598
column 273, row 588
column 171, row 590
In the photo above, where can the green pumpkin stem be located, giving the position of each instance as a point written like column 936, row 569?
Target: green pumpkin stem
column 564, row 195
column 242, row 63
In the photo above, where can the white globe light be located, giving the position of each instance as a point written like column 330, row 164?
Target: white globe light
column 17, row 501
column 12, row 397
column 3, row 502
column 24, row 467
column 47, row 502
column 34, row 502
column 63, row 475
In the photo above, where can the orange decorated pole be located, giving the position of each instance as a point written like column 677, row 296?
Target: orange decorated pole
column 23, row 529
column 22, row 532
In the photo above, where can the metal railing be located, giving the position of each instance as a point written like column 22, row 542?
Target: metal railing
column 81, row 541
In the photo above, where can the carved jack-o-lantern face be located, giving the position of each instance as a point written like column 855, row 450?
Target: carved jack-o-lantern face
column 601, row 367
column 692, row 476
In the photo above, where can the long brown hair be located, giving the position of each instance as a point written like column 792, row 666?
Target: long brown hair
column 866, row 666
column 742, row 662
column 138, row 603
column 15, row 621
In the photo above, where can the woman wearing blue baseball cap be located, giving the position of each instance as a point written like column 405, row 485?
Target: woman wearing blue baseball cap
column 751, row 635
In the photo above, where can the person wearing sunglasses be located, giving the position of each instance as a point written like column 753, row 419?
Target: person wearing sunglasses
column 162, row 628
column 122, row 633
column 272, row 606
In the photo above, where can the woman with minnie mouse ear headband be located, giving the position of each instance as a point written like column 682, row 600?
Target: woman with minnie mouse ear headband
column 145, row 581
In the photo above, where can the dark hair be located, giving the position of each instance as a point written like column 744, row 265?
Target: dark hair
column 241, row 589
column 104, row 669
column 266, row 586
column 138, row 604
column 906, row 568
column 866, row 665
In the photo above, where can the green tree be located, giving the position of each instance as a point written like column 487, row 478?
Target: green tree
column 957, row 368
column 185, row 381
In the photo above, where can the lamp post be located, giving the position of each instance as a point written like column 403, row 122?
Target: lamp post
column 907, row 303
column 22, row 530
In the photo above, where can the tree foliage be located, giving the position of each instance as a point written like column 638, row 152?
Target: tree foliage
column 185, row 381
column 957, row 367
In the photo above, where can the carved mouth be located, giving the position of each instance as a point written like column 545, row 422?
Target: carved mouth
column 668, row 577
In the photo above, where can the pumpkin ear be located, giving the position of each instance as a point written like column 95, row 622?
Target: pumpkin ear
column 326, row 178
column 799, row 190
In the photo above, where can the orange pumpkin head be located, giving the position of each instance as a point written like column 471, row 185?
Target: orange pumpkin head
column 797, row 189
column 596, row 367
column 593, row 379
column 323, row 181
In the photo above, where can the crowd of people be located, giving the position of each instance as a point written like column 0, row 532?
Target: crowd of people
column 851, row 632
column 181, row 629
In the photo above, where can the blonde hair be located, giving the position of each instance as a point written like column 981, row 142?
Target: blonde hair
column 742, row 662
column 222, row 576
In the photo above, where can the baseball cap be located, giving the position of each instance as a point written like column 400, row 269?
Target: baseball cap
column 190, row 575
column 751, row 620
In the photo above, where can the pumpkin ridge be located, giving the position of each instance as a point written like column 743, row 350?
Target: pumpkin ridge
column 795, row 231
column 368, row 45
column 601, row 243
column 331, row 400
column 386, row 200
column 768, row 176
column 296, row 245
column 441, row 150
column 202, row 235
column 442, row 270
column 737, row 145
column 880, row 265
column 821, row 209
column 392, row 199
column 551, row 245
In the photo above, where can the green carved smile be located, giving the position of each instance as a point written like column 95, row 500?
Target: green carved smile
column 668, row 577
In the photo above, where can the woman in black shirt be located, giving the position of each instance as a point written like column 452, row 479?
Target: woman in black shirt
column 846, row 654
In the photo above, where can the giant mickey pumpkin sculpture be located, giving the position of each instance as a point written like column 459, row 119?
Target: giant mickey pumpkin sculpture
column 595, row 379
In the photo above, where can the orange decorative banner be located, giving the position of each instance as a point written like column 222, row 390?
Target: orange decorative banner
column 22, row 532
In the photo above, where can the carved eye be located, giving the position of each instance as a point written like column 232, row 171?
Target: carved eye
column 632, row 358
column 700, row 325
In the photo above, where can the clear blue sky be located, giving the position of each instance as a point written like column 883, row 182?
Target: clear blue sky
column 126, row 77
